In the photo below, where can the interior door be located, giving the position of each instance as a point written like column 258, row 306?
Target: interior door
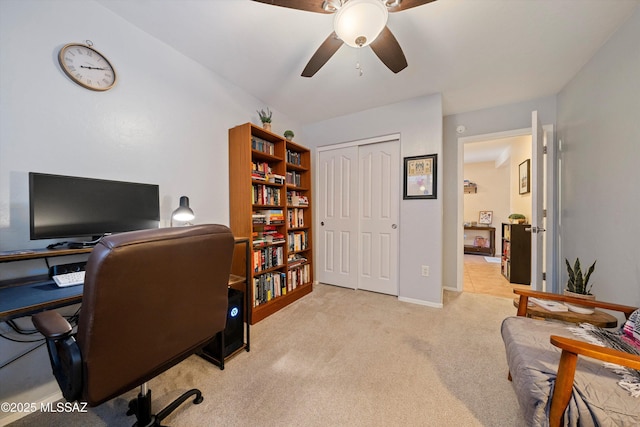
column 379, row 184
column 537, row 201
column 338, row 217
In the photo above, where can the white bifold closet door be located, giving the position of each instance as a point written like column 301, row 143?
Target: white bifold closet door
column 358, row 216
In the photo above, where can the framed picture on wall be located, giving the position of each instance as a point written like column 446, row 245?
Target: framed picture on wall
column 420, row 177
column 524, row 183
column 486, row 217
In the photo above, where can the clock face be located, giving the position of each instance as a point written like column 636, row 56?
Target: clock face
column 87, row 67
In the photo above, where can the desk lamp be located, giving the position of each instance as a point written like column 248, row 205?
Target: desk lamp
column 184, row 212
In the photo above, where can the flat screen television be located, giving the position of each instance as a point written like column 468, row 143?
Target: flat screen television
column 70, row 207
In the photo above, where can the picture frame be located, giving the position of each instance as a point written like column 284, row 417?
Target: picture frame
column 420, row 177
column 485, row 217
column 524, row 184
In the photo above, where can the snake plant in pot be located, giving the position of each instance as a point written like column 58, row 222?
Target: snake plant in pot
column 578, row 284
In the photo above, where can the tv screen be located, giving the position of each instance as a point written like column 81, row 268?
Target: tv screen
column 67, row 206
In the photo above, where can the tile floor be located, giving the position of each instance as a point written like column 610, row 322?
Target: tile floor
column 484, row 277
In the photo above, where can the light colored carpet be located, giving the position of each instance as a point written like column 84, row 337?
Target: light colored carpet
column 339, row 357
column 492, row 259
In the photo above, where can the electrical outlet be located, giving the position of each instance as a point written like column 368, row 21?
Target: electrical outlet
column 425, row 270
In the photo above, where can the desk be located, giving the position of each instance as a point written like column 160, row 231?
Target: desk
column 30, row 295
column 598, row 318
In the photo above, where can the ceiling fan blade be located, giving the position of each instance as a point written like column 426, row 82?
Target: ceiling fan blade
column 322, row 55
column 408, row 4
column 387, row 48
column 307, row 5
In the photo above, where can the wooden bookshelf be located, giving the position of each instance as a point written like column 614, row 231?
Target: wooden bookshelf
column 516, row 253
column 270, row 201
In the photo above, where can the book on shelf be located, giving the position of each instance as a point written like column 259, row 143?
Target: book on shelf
column 298, row 276
column 260, row 170
column 295, row 218
column 269, row 257
column 549, row 305
column 295, row 260
column 294, row 157
column 276, row 179
column 296, row 198
column 268, row 286
column 294, row 178
column 262, row 145
column 272, row 216
column 265, row 195
column 297, row 241
column 258, row 218
column 267, row 235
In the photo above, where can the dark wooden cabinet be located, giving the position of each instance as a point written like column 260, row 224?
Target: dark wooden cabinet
column 481, row 249
column 516, row 253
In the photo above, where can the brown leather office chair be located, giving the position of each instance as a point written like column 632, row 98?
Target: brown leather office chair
column 151, row 299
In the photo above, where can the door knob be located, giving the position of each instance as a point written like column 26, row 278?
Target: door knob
column 535, row 229
column 394, row 226
column 322, row 223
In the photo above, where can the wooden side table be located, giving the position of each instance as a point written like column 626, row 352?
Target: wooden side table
column 598, row 318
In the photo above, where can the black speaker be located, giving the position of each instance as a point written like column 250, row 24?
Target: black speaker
column 233, row 332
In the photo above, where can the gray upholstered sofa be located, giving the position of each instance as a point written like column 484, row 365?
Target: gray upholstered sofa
column 556, row 387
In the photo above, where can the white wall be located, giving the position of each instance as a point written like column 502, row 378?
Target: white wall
column 520, row 203
column 599, row 130
column 419, row 123
column 165, row 123
column 492, row 195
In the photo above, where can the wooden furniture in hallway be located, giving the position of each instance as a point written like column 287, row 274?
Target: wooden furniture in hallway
column 482, row 250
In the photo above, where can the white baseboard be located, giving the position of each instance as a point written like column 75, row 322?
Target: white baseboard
column 420, row 302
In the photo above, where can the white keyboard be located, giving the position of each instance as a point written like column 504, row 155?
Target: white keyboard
column 69, row 279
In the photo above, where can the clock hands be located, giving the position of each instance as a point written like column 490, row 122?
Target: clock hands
column 92, row 68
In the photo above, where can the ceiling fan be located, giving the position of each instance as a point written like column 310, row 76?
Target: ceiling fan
column 358, row 23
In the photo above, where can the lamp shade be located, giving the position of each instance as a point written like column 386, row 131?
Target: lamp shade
column 184, row 212
column 359, row 22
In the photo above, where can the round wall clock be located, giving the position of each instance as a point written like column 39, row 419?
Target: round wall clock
column 86, row 66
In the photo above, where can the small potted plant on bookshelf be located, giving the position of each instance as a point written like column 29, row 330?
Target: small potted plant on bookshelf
column 517, row 218
column 577, row 285
column 265, row 118
column 288, row 134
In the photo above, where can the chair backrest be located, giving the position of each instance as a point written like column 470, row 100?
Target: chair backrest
column 151, row 298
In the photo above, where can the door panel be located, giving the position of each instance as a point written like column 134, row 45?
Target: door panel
column 379, row 189
column 537, row 201
column 338, row 222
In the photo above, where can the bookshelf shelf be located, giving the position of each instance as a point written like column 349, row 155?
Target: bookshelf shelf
column 264, row 167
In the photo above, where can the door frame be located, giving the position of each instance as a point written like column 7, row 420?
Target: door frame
column 356, row 143
column 551, row 253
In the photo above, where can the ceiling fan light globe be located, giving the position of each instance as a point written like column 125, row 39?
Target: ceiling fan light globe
column 360, row 20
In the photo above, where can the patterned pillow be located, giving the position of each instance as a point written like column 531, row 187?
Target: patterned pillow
column 631, row 329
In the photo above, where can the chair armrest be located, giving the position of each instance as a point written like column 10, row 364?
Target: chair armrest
column 64, row 353
column 567, row 368
column 51, row 324
column 597, row 352
column 525, row 294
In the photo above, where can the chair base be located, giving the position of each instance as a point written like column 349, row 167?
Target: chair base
column 141, row 407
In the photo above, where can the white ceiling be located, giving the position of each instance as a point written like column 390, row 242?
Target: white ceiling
column 491, row 151
column 477, row 53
